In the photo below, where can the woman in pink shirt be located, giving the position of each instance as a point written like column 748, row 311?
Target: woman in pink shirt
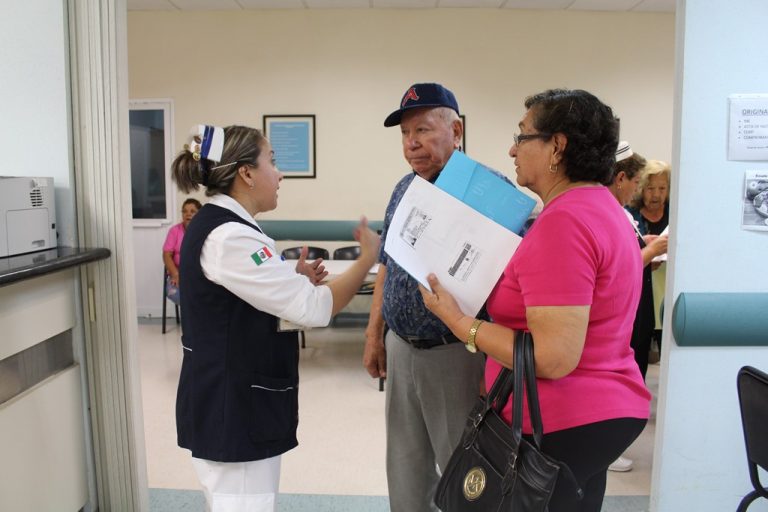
column 172, row 247
column 574, row 283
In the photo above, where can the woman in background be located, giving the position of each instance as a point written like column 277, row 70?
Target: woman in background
column 624, row 187
column 626, row 179
column 237, row 402
column 172, row 247
column 650, row 208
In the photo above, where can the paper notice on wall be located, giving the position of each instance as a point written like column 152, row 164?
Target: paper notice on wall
column 755, row 201
column 748, row 127
column 433, row 232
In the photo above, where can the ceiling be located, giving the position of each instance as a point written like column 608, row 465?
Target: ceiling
column 571, row 5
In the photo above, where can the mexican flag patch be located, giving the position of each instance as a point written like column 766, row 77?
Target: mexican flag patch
column 261, row 255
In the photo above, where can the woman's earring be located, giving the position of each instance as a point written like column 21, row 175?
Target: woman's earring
column 553, row 171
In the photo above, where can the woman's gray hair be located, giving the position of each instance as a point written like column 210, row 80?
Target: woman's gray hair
column 652, row 168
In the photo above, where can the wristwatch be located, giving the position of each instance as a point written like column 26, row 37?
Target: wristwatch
column 472, row 333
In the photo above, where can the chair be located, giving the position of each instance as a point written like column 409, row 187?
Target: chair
column 165, row 300
column 753, row 400
column 313, row 253
column 293, row 253
column 352, row 252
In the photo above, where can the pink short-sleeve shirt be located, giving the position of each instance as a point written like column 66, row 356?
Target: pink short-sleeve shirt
column 173, row 241
column 580, row 251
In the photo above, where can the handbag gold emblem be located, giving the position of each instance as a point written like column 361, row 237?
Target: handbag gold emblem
column 474, row 483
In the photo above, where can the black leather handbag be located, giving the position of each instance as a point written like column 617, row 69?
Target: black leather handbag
column 495, row 468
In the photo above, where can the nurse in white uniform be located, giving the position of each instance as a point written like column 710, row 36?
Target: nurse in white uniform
column 237, row 402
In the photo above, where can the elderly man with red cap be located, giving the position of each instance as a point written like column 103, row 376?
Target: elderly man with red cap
column 432, row 380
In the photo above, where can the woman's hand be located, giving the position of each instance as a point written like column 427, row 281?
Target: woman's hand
column 657, row 244
column 441, row 303
column 369, row 240
column 174, row 278
column 315, row 271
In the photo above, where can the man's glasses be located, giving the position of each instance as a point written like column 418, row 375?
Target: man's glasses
column 522, row 138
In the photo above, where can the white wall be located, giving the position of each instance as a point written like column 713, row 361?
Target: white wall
column 35, row 109
column 700, row 463
column 351, row 67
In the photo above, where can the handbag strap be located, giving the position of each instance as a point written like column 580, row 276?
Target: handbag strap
column 534, row 410
column 517, row 398
column 531, row 388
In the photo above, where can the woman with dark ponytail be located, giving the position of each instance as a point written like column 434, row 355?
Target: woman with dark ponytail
column 237, row 402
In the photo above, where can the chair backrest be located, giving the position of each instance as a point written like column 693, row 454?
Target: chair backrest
column 293, row 253
column 753, row 399
column 350, row 252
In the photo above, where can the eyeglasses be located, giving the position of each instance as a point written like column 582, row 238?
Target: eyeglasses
column 517, row 138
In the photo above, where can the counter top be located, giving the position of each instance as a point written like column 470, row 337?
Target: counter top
column 27, row 266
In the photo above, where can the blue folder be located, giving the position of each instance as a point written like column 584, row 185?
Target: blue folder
column 486, row 191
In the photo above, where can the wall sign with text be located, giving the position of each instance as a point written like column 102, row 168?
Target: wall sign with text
column 293, row 141
column 748, row 127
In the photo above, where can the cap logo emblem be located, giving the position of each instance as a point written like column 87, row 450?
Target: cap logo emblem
column 410, row 95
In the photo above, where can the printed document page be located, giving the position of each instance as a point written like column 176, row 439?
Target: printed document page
column 432, row 231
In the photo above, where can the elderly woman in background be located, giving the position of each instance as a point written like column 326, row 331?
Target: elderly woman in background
column 624, row 187
column 650, row 209
column 574, row 283
column 626, row 179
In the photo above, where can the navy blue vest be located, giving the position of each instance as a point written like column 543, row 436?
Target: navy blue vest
column 238, row 391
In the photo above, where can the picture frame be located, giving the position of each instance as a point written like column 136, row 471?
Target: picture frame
column 293, row 140
column 463, row 133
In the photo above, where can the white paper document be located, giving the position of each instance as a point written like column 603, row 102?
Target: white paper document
column 662, row 257
column 433, row 232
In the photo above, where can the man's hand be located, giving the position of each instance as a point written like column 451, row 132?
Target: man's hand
column 375, row 355
column 315, row 271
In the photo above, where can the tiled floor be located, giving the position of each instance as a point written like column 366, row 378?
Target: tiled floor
column 340, row 458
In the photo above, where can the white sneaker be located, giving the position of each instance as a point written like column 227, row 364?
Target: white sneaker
column 621, row 465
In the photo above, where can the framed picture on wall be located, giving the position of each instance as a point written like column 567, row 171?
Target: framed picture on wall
column 293, row 141
column 463, row 133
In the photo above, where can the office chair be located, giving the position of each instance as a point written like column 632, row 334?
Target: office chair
column 753, row 400
column 166, row 299
column 313, row 253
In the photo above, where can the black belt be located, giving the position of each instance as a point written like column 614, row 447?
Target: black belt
column 427, row 343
